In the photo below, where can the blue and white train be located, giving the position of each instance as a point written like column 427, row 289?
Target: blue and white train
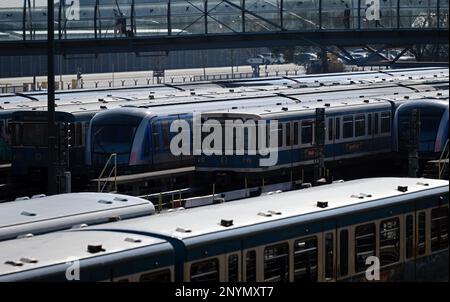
column 141, row 136
column 362, row 129
column 323, row 233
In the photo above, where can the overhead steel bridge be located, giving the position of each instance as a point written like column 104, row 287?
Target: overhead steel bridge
column 140, row 26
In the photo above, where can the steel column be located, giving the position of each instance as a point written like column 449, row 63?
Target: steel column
column 51, row 176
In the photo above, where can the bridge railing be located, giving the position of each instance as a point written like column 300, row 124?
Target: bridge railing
column 141, row 18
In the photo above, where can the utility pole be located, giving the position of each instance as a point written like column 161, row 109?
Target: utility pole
column 51, row 174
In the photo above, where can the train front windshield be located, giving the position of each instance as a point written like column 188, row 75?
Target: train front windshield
column 109, row 139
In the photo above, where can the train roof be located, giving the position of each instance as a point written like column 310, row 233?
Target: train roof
column 49, row 250
column 264, row 100
column 193, row 222
column 328, row 102
column 88, row 106
column 49, row 213
column 138, row 92
column 54, row 251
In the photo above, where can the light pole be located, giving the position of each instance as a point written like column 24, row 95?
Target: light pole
column 51, row 173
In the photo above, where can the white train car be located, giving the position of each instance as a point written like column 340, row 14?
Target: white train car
column 43, row 214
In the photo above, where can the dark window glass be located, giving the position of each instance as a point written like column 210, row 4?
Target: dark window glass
column 421, row 234
column 343, row 253
column 306, row 132
column 34, row 135
column 385, row 122
column 364, row 245
column 113, row 138
column 233, row 268
column 250, row 266
column 165, row 134
column 389, row 241
column 376, row 122
column 305, row 259
column 280, row 135
column 329, row 256
column 155, row 136
column 338, row 128
column 276, row 263
column 16, row 137
column 409, row 234
column 296, row 132
column 160, row 276
column 330, row 129
column 369, row 124
column 439, row 229
column 360, row 125
column 205, row 271
column 288, row 134
column 347, row 127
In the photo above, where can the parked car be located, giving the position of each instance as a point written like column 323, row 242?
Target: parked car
column 305, row 57
column 270, row 58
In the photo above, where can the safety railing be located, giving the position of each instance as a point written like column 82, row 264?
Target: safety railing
column 142, row 18
column 443, row 160
column 103, row 182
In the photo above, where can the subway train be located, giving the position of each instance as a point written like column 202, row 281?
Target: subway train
column 29, row 151
column 323, row 233
column 141, row 137
column 96, row 99
column 365, row 130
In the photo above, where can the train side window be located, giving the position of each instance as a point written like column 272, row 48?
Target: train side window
column 296, row 140
column 376, row 123
column 347, row 126
column 16, row 137
column 360, row 125
column 364, row 245
column 250, row 266
column 78, row 140
column 439, row 229
column 3, row 131
column 329, row 256
column 165, row 134
column 305, row 259
column 421, row 233
column 343, row 253
column 146, row 143
column 155, row 136
column 389, row 241
column 409, row 236
column 159, row 276
column 205, row 271
column 307, row 132
column 385, row 122
column 276, row 263
column 233, row 268
column 369, row 124
column 123, row 280
column 280, row 135
column 337, row 134
column 288, row 134
column 330, row 129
